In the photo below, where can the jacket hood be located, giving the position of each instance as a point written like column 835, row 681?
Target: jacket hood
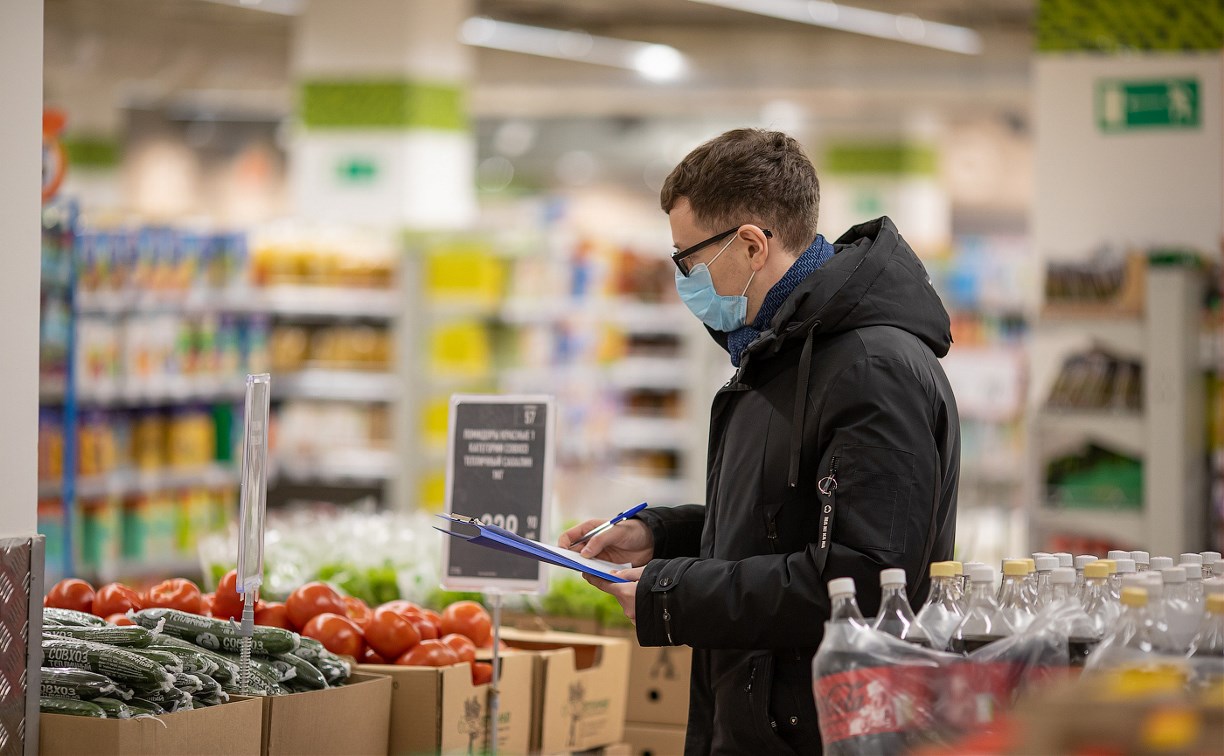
column 873, row 279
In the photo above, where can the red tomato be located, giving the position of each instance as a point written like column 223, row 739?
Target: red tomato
column 371, row 657
column 400, row 605
column 435, row 619
column 116, row 598
column 312, row 600
column 206, row 603
column 390, row 633
column 337, row 633
column 358, row 611
column 272, row 614
column 467, row 618
column 227, row 601
column 176, row 593
column 424, row 627
column 119, row 618
column 462, row 645
column 429, row 653
column 71, row 593
column 482, row 673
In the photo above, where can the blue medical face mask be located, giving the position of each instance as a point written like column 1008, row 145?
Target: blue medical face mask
column 718, row 311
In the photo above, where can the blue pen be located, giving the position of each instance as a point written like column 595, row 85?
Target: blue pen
column 608, row 525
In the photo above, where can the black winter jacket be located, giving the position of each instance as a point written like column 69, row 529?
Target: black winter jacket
column 843, row 394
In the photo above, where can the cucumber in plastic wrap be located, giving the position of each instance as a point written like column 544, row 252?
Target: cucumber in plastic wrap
column 75, row 684
column 124, row 637
column 119, row 664
column 114, row 708
column 71, row 617
column 69, row 706
column 214, row 634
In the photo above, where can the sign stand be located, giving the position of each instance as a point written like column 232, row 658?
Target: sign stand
column 498, row 471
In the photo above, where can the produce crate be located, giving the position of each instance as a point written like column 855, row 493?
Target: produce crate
column 234, row 728
column 438, row 710
column 351, row 720
column 658, row 682
column 654, row 740
column 578, row 691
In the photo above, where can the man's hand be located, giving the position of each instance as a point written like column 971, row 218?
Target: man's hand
column 624, row 593
column 627, row 541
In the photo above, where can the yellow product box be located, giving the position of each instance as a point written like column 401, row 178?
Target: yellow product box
column 578, row 689
column 439, row 710
column 351, row 720
column 235, row 728
column 654, row 740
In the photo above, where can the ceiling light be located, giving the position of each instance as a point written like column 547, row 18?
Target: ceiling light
column 652, row 61
column 905, row 27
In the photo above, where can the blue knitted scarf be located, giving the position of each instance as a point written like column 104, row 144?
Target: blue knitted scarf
column 812, row 258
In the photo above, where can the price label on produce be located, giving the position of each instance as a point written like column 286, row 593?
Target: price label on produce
column 499, row 470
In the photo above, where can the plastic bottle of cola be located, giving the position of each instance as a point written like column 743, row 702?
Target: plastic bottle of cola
column 983, row 622
column 942, row 612
column 896, row 617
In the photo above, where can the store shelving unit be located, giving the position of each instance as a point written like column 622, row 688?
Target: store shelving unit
column 1167, row 435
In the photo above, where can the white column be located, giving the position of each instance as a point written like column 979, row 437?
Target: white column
column 382, row 135
column 21, row 44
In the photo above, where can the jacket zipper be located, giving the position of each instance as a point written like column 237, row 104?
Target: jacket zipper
column 667, row 621
column 828, row 484
column 772, row 534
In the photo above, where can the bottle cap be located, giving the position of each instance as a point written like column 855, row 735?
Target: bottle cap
column 1065, row 559
column 892, row 576
column 1193, row 571
column 1213, row 585
column 1046, row 563
column 841, row 586
column 1159, row 563
column 1030, row 565
column 1109, row 563
column 1190, row 558
column 1082, row 560
column 958, row 567
column 1134, row 597
column 1015, row 567
column 1215, row 603
column 1173, row 575
column 1096, row 570
column 1117, row 554
column 982, row 574
column 1125, row 565
column 1040, row 554
column 967, row 567
column 1210, row 557
column 1062, row 576
column 941, row 569
column 1140, row 557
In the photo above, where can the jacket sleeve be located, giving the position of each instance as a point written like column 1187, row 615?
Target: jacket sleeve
column 676, row 530
column 877, row 420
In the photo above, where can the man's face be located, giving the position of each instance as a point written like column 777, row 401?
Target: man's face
column 731, row 268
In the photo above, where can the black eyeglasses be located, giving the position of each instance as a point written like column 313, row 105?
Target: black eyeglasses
column 678, row 257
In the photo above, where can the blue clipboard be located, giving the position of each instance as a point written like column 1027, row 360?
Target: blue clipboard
column 492, row 537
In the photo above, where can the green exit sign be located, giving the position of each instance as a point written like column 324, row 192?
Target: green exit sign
column 1128, row 105
column 357, row 170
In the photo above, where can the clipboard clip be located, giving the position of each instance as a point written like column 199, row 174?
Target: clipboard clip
column 460, row 518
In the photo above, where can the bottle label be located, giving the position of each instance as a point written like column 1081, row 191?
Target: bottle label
column 873, row 701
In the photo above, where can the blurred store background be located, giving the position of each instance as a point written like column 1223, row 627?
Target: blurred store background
column 383, row 202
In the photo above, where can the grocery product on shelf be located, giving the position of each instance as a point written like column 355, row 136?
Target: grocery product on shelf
column 941, row 613
column 983, row 622
column 895, row 616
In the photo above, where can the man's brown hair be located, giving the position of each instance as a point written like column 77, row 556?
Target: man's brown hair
column 749, row 176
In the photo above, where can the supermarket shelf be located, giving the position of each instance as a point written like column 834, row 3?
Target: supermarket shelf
column 129, row 482
column 648, row 318
column 1124, row 527
column 650, row 373
column 1124, row 332
column 184, row 390
column 665, row 491
column 1125, row 431
column 337, row 467
column 651, row 433
column 283, row 300
column 338, row 385
column 51, row 389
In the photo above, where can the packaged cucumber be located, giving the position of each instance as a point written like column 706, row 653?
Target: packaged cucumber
column 227, row 668
column 193, row 661
column 142, row 706
column 71, row 617
column 119, row 664
column 114, row 708
column 216, row 635
column 188, row 683
column 172, row 700
column 68, row 706
column 126, row 637
column 75, row 684
column 168, row 661
column 299, row 672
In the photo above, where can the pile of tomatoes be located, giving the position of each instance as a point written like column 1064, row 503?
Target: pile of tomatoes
column 397, row 632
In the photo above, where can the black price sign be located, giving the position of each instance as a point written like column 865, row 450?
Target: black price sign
column 499, row 471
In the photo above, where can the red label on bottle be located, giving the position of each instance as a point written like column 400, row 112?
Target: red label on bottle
column 873, row 701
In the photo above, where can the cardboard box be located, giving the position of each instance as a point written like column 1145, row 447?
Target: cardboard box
column 234, row 728
column 546, row 622
column 659, row 684
column 654, row 740
column 579, row 688
column 438, row 710
column 346, row 721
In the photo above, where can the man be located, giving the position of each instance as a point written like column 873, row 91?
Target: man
column 839, row 422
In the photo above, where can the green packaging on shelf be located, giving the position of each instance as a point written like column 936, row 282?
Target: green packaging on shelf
column 100, row 528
